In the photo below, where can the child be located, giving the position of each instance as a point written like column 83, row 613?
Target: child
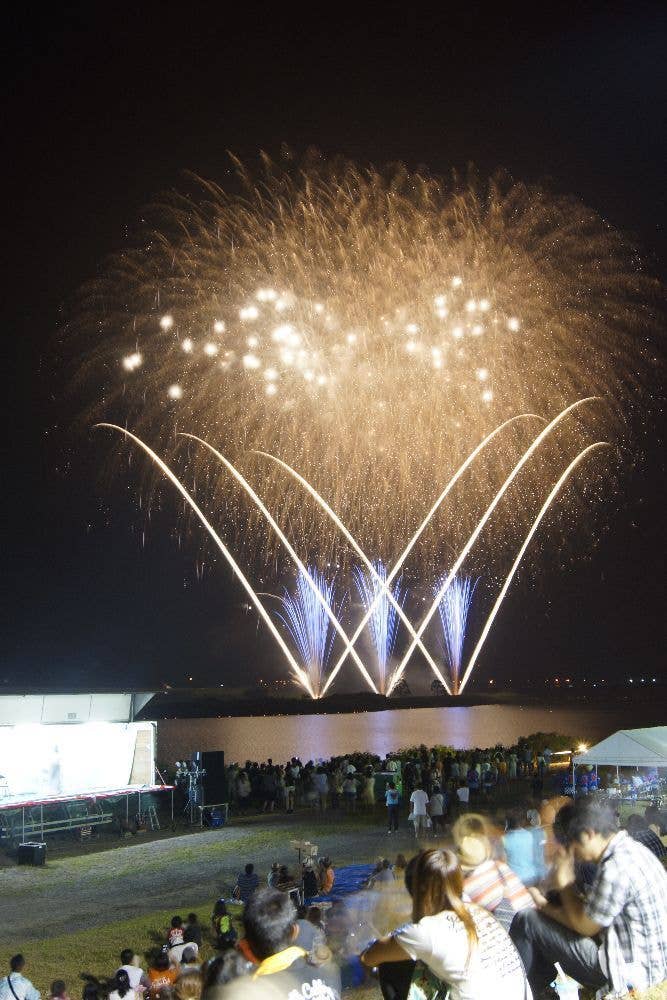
column 223, row 929
column 192, row 934
column 58, row 990
column 175, row 935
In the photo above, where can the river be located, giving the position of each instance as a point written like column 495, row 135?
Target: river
column 321, row 736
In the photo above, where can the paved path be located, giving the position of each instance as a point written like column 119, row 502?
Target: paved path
column 86, row 891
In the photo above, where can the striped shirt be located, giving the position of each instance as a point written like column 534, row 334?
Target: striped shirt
column 629, row 900
column 246, row 885
column 492, row 881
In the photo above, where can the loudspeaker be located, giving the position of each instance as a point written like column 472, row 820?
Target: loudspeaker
column 214, row 781
column 32, row 854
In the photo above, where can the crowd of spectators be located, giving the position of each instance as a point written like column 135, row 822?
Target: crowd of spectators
column 487, row 915
column 486, row 911
column 350, row 782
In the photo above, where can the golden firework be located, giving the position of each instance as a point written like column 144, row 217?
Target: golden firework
column 369, row 329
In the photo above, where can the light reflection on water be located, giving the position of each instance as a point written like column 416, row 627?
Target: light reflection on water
column 322, row 736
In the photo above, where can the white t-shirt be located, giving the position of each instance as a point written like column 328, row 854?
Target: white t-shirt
column 436, row 804
column 419, row 801
column 463, row 794
column 134, row 974
column 494, row 968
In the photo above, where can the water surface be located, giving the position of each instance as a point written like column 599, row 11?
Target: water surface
column 323, row 736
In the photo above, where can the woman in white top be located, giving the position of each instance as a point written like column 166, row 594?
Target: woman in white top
column 462, row 945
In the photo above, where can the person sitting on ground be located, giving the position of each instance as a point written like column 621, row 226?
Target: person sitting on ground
column 15, row 986
column 189, row 984
column 615, row 936
column 382, row 875
column 175, row 934
column 461, row 944
column 539, row 835
column 284, row 880
column 284, row 969
column 176, row 953
column 491, row 883
column 161, row 975
column 224, row 969
column 121, row 986
column 640, row 831
column 246, row 883
column 326, row 876
column 400, row 864
column 272, row 877
column 314, row 917
column 519, row 848
column 309, row 879
column 130, row 963
column 656, row 820
column 189, row 960
column 310, row 935
column 225, row 935
column 192, row 932
column 58, row 990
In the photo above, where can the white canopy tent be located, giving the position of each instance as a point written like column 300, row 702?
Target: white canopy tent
column 627, row 748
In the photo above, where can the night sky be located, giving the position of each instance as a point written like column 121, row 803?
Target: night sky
column 107, row 105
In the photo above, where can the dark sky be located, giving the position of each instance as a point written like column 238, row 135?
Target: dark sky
column 106, row 105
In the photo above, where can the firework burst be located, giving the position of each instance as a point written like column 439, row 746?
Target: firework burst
column 369, row 328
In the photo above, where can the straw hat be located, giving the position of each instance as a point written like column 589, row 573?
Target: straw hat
column 473, row 851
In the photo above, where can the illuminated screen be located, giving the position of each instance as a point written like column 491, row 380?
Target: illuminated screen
column 37, row 761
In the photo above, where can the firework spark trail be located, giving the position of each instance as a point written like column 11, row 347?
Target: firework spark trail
column 515, row 565
column 409, row 547
column 406, row 552
column 480, row 525
column 309, row 624
column 454, row 607
column 369, row 565
column 299, row 674
column 305, row 573
column 373, row 592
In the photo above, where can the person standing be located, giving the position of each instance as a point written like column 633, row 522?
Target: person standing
column 436, row 809
column 15, row 986
column 392, row 799
column 419, row 803
column 463, row 796
column 350, row 793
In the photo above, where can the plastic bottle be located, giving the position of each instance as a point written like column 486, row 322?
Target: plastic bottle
column 566, row 987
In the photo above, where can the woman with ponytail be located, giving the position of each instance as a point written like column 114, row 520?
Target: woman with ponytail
column 463, row 947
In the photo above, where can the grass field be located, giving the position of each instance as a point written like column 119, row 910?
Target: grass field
column 97, row 951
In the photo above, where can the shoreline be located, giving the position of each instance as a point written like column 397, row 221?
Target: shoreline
column 206, row 703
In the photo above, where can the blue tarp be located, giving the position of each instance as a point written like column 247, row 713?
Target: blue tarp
column 349, row 879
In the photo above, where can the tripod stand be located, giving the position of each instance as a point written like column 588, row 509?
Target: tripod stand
column 191, row 775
